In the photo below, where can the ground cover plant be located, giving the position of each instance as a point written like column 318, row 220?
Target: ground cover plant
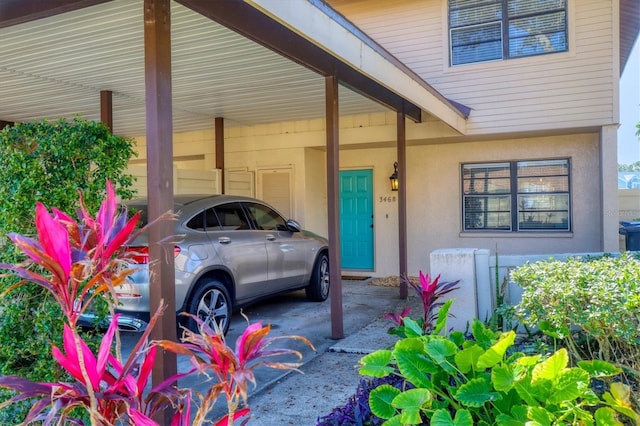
column 84, row 259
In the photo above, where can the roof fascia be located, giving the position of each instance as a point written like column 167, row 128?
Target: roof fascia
column 324, row 27
column 252, row 22
column 14, row 12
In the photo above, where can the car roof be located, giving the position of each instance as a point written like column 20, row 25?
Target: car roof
column 180, row 200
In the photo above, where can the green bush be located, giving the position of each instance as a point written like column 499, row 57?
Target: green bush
column 462, row 381
column 49, row 162
column 593, row 305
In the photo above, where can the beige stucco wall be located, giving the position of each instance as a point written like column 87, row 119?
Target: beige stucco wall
column 434, row 192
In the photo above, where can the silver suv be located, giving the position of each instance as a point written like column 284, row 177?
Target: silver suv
column 230, row 251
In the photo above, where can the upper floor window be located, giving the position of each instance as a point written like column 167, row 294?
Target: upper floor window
column 486, row 30
column 516, row 196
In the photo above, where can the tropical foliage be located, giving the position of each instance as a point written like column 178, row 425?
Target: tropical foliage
column 79, row 261
column 482, row 380
column 47, row 162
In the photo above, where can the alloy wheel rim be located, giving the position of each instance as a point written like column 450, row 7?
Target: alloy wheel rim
column 213, row 309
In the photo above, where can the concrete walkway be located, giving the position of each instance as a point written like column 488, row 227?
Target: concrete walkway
column 331, row 376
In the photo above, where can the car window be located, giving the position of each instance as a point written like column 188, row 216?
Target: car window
column 196, row 222
column 266, row 218
column 231, row 216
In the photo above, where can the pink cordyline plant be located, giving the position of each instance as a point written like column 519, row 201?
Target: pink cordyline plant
column 81, row 260
column 233, row 369
column 431, row 293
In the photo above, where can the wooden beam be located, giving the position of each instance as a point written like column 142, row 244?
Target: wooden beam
column 402, row 201
column 4, row 124
column 255, row 25
column 219, row 135
column 13, row 12
column 106, row 108
column 333, row 205
column 157, row 61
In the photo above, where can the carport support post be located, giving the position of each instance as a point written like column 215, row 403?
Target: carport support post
column 106, row 108
column 333, row 205
column 219, row 135
column 402, row 201
column 157, row 69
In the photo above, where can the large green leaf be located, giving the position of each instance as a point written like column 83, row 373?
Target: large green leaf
column 380, row 401
column 518, row 416
column 552, row 366
column 495, row 353
column 599, row 368
column 467, row 358
column 376, row 364
column 528, row 361
column 508, row 401
column 412, row 403
column 458, row 338
column 503, row 377
column 412, row 328
column 414, row 366
column 605, row 416
column 476, row 392
column 442, row 417
column 533, row 392
column 619, row 398
column 393, row 421
column 439, row 349
column 482, row 335
column 569, row 386
column 443, row 314
column 540, row 416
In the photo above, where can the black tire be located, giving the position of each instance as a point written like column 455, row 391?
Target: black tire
column 318, row 288
column 210, row 297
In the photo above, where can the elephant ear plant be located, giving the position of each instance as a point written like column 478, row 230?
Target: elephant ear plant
column 83, row 260
column 482, row 380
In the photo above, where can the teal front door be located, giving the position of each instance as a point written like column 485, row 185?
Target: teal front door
column 356, row 219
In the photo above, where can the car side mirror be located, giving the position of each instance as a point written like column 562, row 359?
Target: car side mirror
column 293, row 226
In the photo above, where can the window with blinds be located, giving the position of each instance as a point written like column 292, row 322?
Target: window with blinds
column 487, row 30
column 516, row 196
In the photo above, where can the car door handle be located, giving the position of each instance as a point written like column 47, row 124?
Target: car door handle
column 224, row 240
column 270, row 237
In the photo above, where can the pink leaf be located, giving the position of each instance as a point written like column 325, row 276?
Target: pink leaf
column 140, row 419
column 54, row 240
column 225, row 420
column 105, row 345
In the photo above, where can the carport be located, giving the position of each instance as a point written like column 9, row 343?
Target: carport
column 155, row 67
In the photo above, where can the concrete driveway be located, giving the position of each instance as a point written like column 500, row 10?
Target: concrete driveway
column 292, row 314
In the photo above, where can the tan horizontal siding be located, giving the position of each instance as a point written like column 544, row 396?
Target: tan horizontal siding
column 553, row 91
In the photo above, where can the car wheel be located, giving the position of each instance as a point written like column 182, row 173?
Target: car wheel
column 211, row 303
column 318, row 288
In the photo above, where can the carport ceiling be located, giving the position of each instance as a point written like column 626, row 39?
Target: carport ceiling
column 57, row 66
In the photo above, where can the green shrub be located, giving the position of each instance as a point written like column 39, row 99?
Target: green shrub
column 47, row 162
column 599, row 298
column 463, row 381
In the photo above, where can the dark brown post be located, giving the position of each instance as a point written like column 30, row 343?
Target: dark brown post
column 333, row 205
column 106, row 108
column 157, row 57
column 219, row 135
column 402, row 201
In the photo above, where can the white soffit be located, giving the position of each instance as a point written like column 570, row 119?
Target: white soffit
column 306, row 20
column 56, row 67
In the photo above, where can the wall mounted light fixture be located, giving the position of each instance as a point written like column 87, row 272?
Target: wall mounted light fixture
column 394, row 177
